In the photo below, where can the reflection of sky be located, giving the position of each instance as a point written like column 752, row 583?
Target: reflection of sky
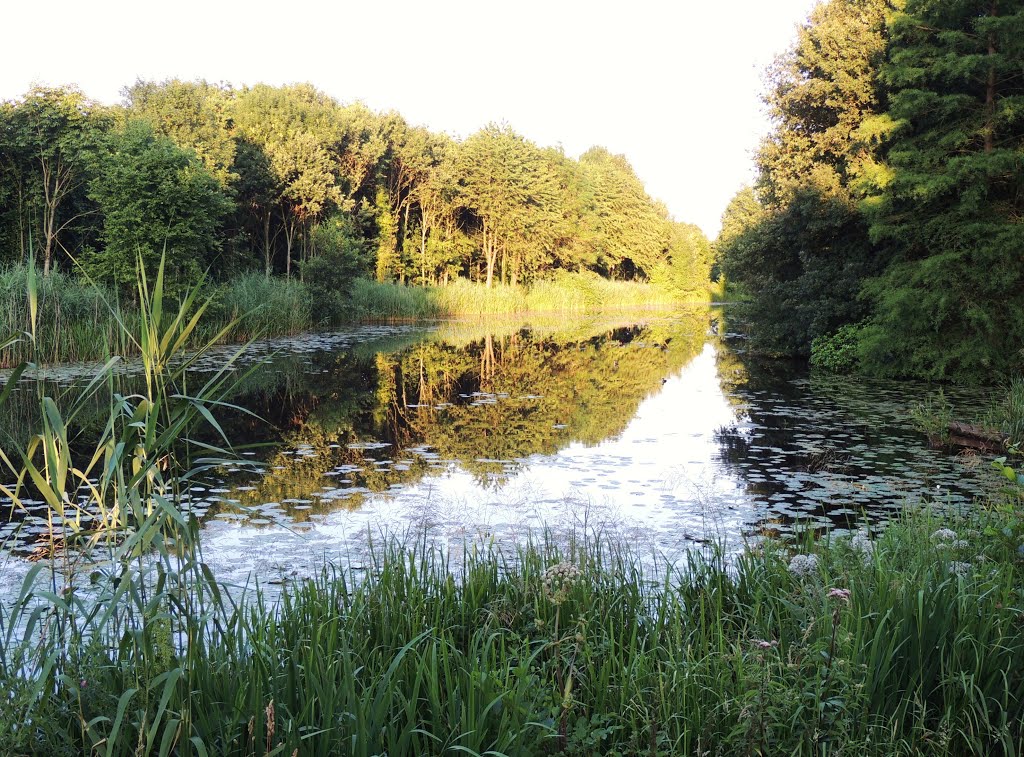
column 657, row 484
column 819, row 450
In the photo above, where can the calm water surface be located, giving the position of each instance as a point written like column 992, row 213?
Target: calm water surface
column 659, row 430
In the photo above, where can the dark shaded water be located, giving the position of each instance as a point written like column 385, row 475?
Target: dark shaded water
column 661, row 430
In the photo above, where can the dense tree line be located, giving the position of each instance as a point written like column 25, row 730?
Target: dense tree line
column 885, row 226
column 288, row 181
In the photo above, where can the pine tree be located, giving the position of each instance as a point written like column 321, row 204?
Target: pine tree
column 949, row 214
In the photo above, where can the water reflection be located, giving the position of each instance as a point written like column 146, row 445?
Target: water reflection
column 662, row 430
column 834, row 451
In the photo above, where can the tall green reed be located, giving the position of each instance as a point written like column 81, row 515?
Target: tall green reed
column 123, row 586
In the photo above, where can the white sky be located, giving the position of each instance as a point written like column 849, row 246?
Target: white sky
column 672, row 84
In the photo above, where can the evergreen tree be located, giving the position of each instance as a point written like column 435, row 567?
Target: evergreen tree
column 949, row 213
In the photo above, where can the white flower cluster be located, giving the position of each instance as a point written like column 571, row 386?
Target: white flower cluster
column 961, row 569
column 803, row 565
column 944, row 534
column 861, row 542
column 558, row 581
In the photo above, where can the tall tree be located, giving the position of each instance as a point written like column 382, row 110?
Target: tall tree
column 503, row 184
column 156, row 199
column 805, row 262
column 949, row 213
column 626, row 231
column 295, row 128
column 52, row 135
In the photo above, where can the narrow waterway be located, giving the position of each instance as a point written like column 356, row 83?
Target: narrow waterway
column 659, row 430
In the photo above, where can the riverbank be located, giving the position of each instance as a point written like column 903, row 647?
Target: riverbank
column 909, row 642
column 78, row 321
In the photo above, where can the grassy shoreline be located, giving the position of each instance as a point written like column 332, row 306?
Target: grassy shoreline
column 909, row 643
column 79, row 321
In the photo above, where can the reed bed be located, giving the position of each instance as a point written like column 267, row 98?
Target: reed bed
column 79, row 321
column 74, row 322
column 566, row 293
column 258, row 306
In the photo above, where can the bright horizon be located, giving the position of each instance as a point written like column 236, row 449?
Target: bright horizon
column 668, row 84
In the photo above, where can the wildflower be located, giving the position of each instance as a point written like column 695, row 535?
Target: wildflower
column 762, row 644
column 944, row 534
column 959, row 544
column 558, row 581
column 861, row 542
column 803, row 565
column 841, row 594
column 960, row 569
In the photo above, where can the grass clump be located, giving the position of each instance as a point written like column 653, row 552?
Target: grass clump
column 256, row 305
column 74, row 322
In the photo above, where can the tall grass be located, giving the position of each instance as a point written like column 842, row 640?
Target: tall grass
column 487, row 651
column 257, row 305
column 75, row 322
column 83, row 321
column 566, row 293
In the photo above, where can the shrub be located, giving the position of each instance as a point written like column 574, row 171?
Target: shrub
column 838, row 352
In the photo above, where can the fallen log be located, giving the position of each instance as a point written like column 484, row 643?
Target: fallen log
column 975, row 437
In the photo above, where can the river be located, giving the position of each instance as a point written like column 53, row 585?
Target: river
column 658, row 429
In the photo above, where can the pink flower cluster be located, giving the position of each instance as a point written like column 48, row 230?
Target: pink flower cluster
column 840, row 594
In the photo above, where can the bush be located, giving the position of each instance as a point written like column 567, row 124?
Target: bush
column 838, row 352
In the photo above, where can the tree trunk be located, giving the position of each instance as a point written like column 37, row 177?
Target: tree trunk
column 268, row 255
column 491, row 253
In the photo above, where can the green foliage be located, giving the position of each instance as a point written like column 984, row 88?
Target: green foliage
column 193, row 115
column 628, row 234
column 48, row 145
column 890, row 190
column 798, row 244
column 803, row 266
column 838, row 352
column 932, row 417
column 947, row 212
column 157, row 200
column 1012, row 420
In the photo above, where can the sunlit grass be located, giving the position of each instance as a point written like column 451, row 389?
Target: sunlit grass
column 567, row 293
